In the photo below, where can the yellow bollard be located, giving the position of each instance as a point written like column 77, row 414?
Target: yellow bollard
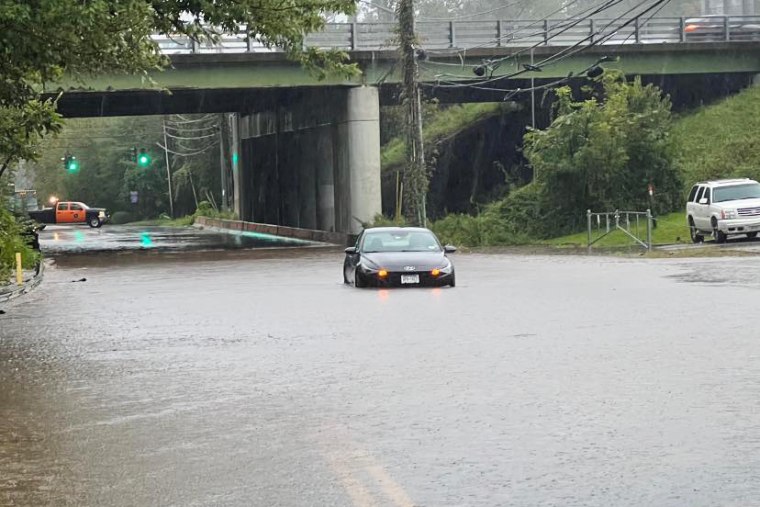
column 19, row 271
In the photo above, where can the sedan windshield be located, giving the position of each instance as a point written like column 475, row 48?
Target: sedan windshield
column 400, row 241
column 737, row 192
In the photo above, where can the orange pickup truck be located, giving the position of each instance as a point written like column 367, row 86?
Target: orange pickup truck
column 66, row 212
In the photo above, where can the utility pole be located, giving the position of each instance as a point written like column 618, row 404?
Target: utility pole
column 415, row 174
column 168, row 172
column 222, row 163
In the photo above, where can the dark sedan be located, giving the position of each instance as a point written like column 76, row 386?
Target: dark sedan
column 398, row 257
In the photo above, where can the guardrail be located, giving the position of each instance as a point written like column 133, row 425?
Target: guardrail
column 463, row 35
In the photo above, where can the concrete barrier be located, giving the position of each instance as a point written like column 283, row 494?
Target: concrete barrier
column 336, row 238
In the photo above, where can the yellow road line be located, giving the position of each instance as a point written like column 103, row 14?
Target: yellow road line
column 360, row 496
column 394, row 491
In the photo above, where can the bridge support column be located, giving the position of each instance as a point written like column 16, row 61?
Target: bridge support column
column 313, row 161
column 359, row 160
column 325, row 165
column 307, row 179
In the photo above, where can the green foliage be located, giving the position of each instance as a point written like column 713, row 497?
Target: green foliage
column 720, row 141
column 122, row 217
column 381, row 220
column 601, row 154
column 42, row 41
column 495, row 225
column 444, row 123
column 11, row 241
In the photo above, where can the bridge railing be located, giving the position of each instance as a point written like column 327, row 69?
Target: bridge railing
column 497, row 33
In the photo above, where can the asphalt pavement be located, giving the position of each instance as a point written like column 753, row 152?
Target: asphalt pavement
column 258, row 378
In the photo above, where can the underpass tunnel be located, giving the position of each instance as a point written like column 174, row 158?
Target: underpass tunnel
column 312, row 161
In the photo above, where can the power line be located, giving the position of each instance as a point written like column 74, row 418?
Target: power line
column 657, row 6
column 181, row 138
column 565, row 53
column 169, row 150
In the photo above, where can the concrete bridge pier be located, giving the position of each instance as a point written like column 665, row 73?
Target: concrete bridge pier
column 312, row 160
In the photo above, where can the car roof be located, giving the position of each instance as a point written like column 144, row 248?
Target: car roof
column 391, row 229
column 726, row 182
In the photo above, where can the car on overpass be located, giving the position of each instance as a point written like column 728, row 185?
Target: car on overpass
column 398, row 257
column 723, row 208
column 713, row 29
column 70, row 212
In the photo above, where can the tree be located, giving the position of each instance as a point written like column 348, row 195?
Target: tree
column 600, row 153
column 42, row 41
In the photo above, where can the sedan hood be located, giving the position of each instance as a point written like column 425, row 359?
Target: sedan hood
column 400, row 261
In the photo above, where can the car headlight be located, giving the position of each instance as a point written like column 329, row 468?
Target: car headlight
column 446, row 268
column 102, row 214
column 368, row 267
column 728, row 214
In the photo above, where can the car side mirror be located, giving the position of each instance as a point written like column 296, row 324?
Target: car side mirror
column 449, row 249
column 351, row 250
column 703, row 200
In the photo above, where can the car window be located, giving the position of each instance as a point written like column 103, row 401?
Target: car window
column 400, row 241
column 737, row 192
column 63, row 206
column 693, row 193
column 75, row 207
column 700, row 193
column 708, row 194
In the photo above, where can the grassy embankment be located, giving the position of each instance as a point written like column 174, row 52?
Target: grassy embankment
column 717, row 141
column 447, row 123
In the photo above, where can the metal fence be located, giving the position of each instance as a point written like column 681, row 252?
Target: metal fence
column 465, row 35
column 632, row 223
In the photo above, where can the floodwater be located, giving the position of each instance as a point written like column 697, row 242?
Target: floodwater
column 257, row 378
column 74, row 239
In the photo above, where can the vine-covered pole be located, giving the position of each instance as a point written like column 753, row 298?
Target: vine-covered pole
column 415, row 172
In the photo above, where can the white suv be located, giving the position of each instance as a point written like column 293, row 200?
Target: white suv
column 723, row 208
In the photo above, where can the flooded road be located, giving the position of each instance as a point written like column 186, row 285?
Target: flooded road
column 75, row 239
column 257, row 378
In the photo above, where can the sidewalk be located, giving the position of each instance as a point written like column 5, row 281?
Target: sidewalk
column 32, row 278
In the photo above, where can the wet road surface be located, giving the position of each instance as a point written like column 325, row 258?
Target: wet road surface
column 257, row 378
column 73, row 239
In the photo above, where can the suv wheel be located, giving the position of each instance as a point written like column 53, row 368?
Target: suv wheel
column 695, row 236
column 719, row 235
column 752, row 235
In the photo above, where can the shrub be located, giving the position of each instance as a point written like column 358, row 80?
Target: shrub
column 122, row 217
column 12, row 241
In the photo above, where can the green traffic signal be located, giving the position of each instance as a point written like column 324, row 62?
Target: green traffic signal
column 72, row 164
column 143, row 159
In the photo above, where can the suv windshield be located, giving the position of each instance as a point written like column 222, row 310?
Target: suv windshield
column 737, row 192
column 400, row 241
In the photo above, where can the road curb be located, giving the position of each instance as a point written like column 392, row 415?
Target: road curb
column 8, row 295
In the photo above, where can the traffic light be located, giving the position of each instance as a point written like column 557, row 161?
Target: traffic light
column 70, row 163
column 143, row 159
column 73, row 164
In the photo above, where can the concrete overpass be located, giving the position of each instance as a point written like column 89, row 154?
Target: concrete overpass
column 309, row 149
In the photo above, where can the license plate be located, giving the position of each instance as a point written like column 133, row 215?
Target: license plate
column 410, row 278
